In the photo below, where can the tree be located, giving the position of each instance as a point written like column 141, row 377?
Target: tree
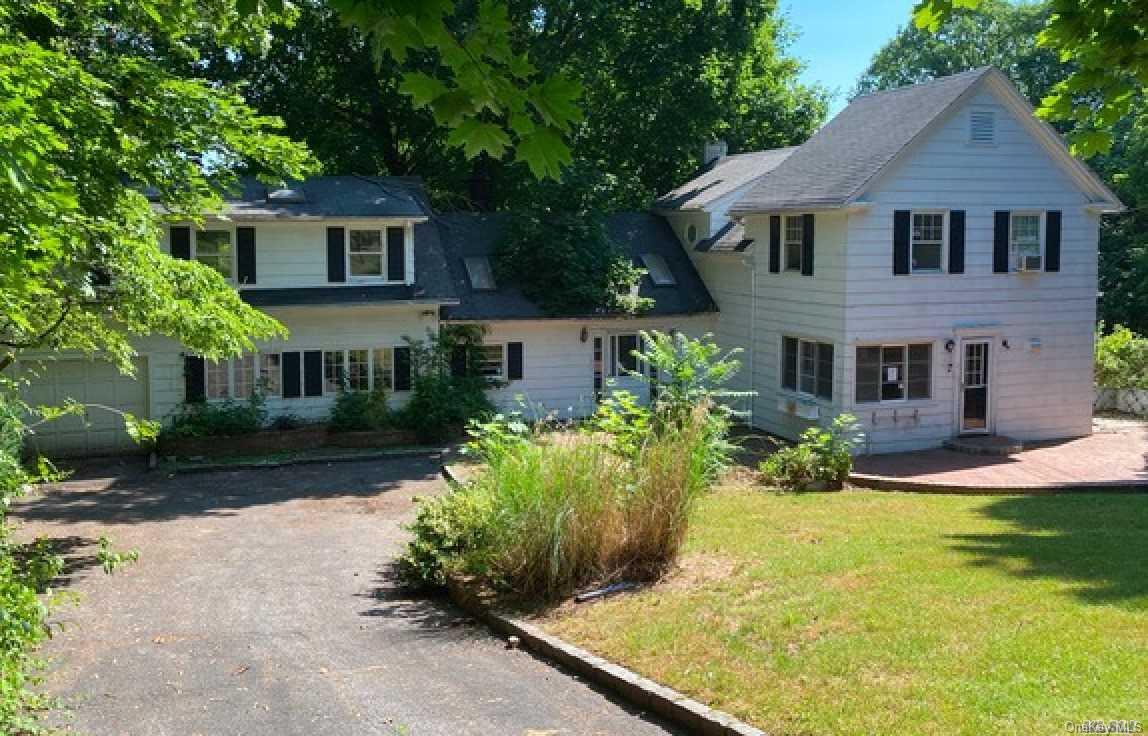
column 1107, row 43
column 1002, row 34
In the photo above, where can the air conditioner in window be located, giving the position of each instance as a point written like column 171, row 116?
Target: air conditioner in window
column 1029, row 262
column 799, row 408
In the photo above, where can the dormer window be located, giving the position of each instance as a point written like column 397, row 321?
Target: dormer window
column 479, row 272
column 213, row 249
column 366, row 251
column 982, row 127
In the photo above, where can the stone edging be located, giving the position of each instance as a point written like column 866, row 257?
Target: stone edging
column 640, row 692
column 886, row 483
column 183, row 469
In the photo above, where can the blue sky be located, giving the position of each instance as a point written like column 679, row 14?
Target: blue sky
column 837, row 38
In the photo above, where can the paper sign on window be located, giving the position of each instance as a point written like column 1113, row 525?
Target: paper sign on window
column 892, row 373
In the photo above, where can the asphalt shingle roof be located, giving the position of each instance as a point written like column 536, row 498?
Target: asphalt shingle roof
column 838, row 160
column 730, row 239
column 328, row 196
column 466, row 234
column 722, row 177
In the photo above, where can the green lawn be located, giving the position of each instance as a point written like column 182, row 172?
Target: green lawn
column 865, row 612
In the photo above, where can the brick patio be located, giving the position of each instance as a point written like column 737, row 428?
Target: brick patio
column 1115, row 456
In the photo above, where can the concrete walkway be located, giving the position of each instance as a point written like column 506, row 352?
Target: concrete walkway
column 1115, row 456
column 263, row 603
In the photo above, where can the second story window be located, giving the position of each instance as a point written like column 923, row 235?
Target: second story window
column 366, row 253
column 213, row 248
column 794, row 235
column 928, row 241
column 1024, row 241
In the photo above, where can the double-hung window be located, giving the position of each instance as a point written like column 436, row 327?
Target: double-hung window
column 491, row 361
column 271, row 373
column 794, row 237
column 622, row 350
column 366, row 256
column 807, row 367
column 230, row 379
column 928, row 242
column 213, row 249
column 894, row 372
column 384, row 368
column 332, row 371
column 1025, row 249
column 358, row 370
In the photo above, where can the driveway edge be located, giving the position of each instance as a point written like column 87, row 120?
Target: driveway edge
column 189, row 469
column 631, row 687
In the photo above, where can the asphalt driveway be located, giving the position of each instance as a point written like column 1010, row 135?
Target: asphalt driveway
column 263, row 604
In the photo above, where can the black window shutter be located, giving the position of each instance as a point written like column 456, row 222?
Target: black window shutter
column 194, row 378
column 957, row 241
column 336, row 259
column 789, row 363
column 291, row 375
column 514, row 361
column 775, row 244
column 396, row 254
column 807, row 245
column 901, row 223
column 402, row 369
column 1000, row 241
column 824, row 378
column 1052, row 241
column 458, row 361
column 313, row 373
column 245, row 254
column 180, row 242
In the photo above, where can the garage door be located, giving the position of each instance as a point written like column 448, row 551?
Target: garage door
column 98, row 432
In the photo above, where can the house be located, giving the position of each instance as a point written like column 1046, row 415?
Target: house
column 926, row 261
column 353, row 267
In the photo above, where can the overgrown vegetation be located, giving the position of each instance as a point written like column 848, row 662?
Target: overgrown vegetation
column 821, row 460
column 356, row 411
column 1121, row 359
column 219, row 418
column 549, row 511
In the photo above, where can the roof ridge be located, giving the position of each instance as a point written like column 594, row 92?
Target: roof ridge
column 975, row 72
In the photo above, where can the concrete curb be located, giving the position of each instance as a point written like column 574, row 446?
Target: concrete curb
column 348, row 458
column 640, row 692
column 886, row 483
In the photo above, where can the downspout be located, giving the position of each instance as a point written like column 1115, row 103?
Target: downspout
column 752, row 329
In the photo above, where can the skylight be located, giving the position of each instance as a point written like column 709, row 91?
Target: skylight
column 659, row 272
column 480, row 274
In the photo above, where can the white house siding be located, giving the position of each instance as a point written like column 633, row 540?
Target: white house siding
column 791, row 305
column 558, row 373
column 291, row 254
column 1035, row 395
column 310, row 328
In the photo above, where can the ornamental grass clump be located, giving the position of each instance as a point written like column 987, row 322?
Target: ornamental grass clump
column 550, row 511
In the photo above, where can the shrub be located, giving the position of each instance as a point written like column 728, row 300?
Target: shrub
column 824, row 456
column 219, row 418
column 360, row 410
column 286, row 421
column 443, row 399
column 1121, row 359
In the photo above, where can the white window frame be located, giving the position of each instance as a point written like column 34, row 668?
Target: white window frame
column 786, row 242
column 616, row 370
column 381, row 229
column 796, row 390
column 944, row 241
column 260, row 382
column 1041, row 220
column 231, row 366
column 195, row 233
column 376, row 369
column 502, row 367
column 904, row 379
column 327, row 391
column 347, row 367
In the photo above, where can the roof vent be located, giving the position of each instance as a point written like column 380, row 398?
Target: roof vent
column 286, row 196
column 659, row 272
column 982, row 127
column 479, row 272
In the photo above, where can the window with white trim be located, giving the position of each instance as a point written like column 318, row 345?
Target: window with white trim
column 928, row 242
column 332, row 371
column 383, row 369
column 491, row 361
column 229, row 379
column 1026, row 249
column 359, row 370
column 213, row 249
column 271, row 373
column 807, row 367
column 794, row 236
column 894, row 372
column 365, row 253
column 622, row 351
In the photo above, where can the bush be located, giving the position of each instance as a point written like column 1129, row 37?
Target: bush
column 547, row 513
column 360, row 411
column 219, row 418
column 823, row 457
column 286, row 422
column 443, row 401
column 1121, row 359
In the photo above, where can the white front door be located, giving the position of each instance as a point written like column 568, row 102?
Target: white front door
column 975, row 393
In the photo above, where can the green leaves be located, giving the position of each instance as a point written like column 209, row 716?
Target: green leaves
column 475, row 137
